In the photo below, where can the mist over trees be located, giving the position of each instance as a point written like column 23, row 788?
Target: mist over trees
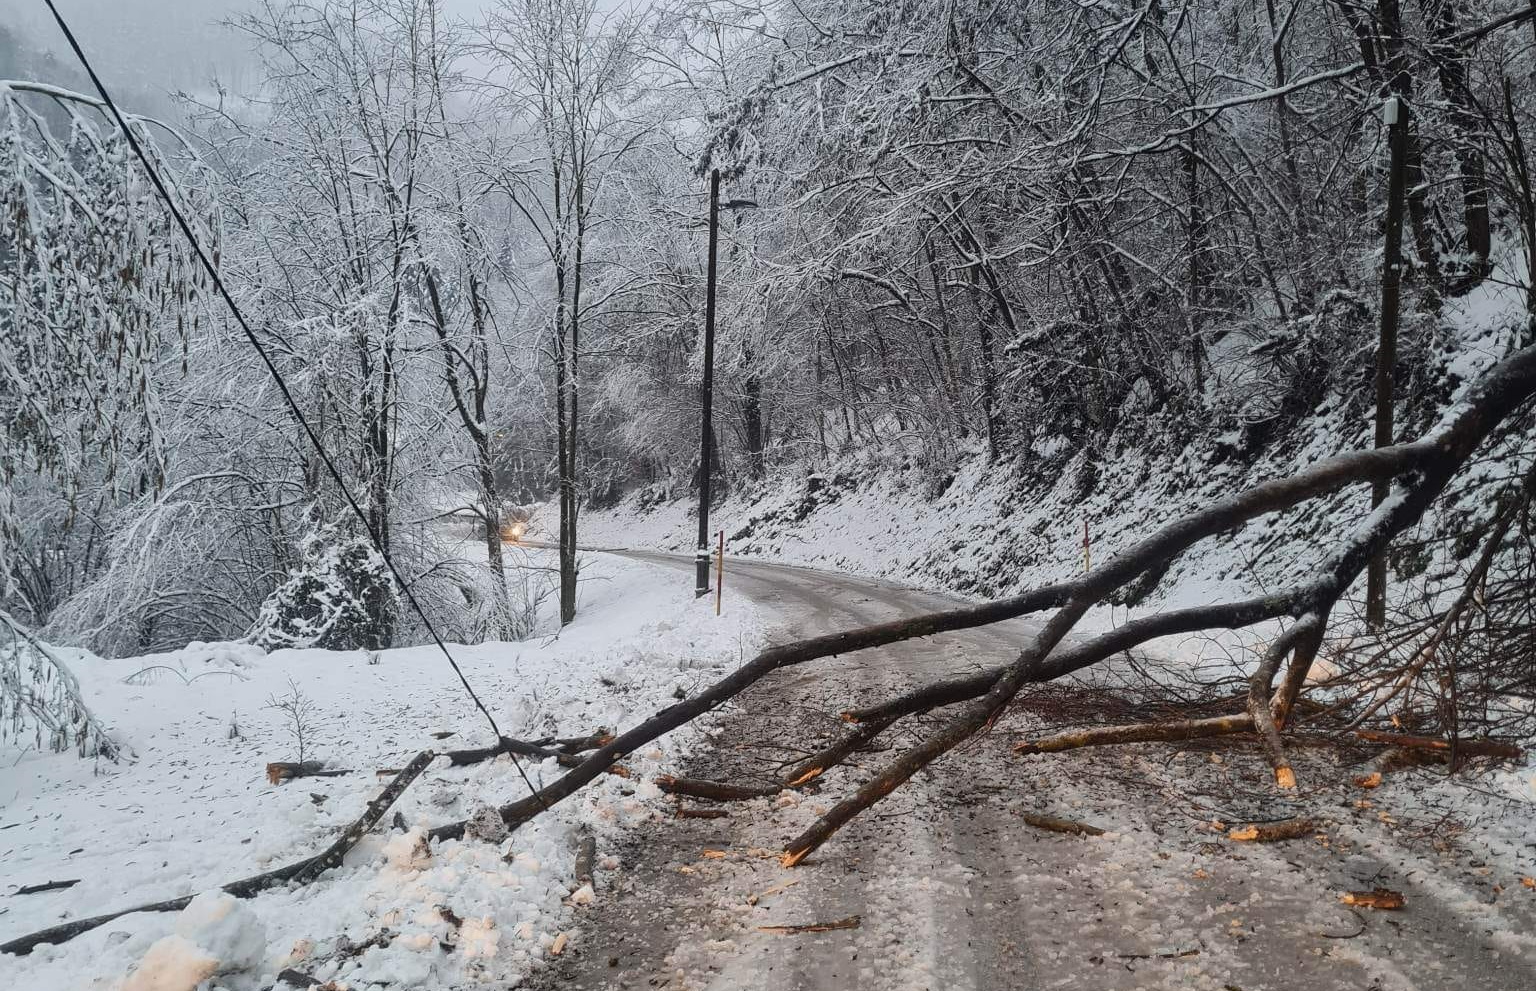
column 475, row 248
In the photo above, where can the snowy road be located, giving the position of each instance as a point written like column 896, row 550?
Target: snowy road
column 953, row 891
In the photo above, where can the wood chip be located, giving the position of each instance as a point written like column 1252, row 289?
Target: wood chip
column 1372, row 780
column 852, row 922
column 755, row 897
column 1377, row 898
column 558, row 946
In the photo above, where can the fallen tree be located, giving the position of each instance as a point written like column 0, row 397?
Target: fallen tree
column 1418, row 472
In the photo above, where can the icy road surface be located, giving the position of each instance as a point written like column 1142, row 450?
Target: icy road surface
column 954, row 891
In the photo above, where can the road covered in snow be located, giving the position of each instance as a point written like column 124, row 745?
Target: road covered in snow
column 944, row 885
column 194, row 809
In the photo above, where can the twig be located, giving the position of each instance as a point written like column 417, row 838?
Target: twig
column 852, row 922
column 32, row 889
column 300, row 872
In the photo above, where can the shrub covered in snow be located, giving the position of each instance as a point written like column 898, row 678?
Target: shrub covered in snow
column 341, row 597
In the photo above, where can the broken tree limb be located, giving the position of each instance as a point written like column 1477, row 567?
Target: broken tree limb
column 1381, row 899
column 1259, row 702
column 332, row 855
column 33, row 889
column 715, row 791
column 1307, row 646
column 802, row 775
column 1056, row 825
column 770, row 660
column 971, row 720
column 1420, row 469
column 300, row 872
column 928, row 697
column 1084, row 653
column 577, row 744
column 586, row 857
column 838, row 752
column 852, row 922
column 1272, row 832
column 1184, row 729
column 1465, row 748
column 281, row 771
column 507, row 745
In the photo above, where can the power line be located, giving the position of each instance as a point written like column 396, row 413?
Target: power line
column 293, row 406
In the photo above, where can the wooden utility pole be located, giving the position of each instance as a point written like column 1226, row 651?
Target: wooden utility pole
column 1395, row 114
column 706, row 395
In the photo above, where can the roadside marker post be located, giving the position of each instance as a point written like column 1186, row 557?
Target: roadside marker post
column 719, row 572
column 1087, row 548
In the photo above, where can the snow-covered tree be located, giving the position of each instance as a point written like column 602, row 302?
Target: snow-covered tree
column 99, row 295
column 332, row 599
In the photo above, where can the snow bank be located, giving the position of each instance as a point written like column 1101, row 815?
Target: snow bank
column 195, row 810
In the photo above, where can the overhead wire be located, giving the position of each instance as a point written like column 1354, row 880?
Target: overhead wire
column 293, row 407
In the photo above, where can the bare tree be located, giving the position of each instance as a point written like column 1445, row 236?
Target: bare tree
column 567, row 66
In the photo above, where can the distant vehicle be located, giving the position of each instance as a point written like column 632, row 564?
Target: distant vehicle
column 517, row 522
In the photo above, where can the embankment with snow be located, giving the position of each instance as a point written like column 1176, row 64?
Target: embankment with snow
column 983, row 528
column 193, row 809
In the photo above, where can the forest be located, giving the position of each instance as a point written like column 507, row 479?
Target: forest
column 475, row 252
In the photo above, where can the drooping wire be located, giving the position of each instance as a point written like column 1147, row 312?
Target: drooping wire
column 277, row 377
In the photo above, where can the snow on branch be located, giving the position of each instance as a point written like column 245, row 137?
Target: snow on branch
column 99, row 291
column 40, row 698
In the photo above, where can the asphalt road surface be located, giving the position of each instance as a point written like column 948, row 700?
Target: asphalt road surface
column 952, row 890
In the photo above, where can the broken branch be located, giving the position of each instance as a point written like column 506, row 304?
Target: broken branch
column 300, row 872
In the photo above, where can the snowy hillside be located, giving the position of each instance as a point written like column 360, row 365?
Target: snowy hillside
column 986, row 529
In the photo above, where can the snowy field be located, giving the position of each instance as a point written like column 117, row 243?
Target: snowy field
column 194, row 809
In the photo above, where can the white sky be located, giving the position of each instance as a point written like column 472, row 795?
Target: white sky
column 155, row 44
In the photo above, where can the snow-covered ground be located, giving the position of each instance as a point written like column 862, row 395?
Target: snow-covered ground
column 194, row 809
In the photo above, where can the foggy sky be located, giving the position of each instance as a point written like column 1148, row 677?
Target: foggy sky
column 157, row 45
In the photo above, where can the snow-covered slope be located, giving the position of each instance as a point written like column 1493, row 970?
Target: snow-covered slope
column 194, row 810
column 987, row 529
